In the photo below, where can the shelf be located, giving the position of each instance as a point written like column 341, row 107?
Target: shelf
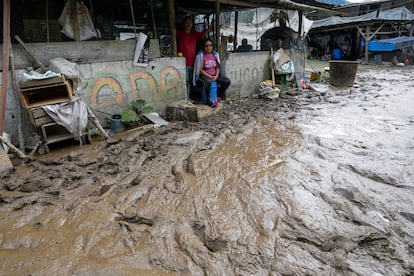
column 35, row 96
column 52, row 133
column 38, row 116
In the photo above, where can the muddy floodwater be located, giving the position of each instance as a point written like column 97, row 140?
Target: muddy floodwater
column 316, row 184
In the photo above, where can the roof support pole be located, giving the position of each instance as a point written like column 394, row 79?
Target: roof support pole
column 154, row 25
column 133, row 19
column 368, row 31
column 300, row 30
column 47, row 22
column 171, row 15
column 368, row 37
column 217, row 27
column 236, row 27
column 6, row 60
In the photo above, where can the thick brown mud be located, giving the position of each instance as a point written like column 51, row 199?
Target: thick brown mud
column 321, row 183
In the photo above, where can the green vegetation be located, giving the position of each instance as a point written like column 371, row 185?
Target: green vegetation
column 134, row 114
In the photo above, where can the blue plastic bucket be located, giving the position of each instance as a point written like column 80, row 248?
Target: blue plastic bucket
column 337, row 54
column 213, row 93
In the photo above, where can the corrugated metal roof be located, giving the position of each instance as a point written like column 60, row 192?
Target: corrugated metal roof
column 397, row 14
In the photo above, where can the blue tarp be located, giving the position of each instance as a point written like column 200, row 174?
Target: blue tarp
column 391, row 44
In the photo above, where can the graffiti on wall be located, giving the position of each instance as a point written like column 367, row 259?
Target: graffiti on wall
column 105, row 92
column 108, row 91
column 250, row 71
column 245, row 74
column 170, row 82
column 143, row 86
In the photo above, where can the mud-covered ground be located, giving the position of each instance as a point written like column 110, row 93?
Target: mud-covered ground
column 318, row 184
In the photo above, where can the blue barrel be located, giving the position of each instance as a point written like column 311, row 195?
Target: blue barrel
column 337, row 54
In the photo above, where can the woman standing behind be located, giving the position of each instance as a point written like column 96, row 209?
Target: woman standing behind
column 207, row 70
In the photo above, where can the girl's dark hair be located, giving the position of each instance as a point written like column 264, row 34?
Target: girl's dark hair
column 207, row 39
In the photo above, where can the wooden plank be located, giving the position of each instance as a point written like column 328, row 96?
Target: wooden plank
column 51, row 101
column 43, row 120
column 43, row 82
column 28, row 52
column 74, row 17
column 38, row 112
column 171, row 17
column 38, row 116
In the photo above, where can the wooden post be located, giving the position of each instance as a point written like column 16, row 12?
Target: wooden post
column 272, row 67
column 75, row 23
column 300, row 41
column 6, row 57
column 5, row 163
column 133, row 19
column 217, row 27
column 368, row 30
column 171, row 15
column 236, row 26
column 47, row 22
column 154, row 25
column 13, row 148
column 300, row 24
column 16, row 89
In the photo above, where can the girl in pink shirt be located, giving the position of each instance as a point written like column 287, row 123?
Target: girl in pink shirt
column 207, row 70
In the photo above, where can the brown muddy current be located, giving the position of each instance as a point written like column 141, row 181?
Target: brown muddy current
column 316, row 184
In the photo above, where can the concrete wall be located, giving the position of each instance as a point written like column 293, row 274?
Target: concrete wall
column 109, row 87
column 246, row 71
column 111, row 82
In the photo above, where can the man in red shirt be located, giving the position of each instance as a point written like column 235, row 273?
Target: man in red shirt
column 187, row 44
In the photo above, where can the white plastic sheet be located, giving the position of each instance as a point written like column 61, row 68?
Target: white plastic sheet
column 72, row 115
column 69, row 69
column 86, row 27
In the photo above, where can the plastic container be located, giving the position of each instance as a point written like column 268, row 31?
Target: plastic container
column 115, row 123
column 213, row 94
column 342, row 72
column 337, row 54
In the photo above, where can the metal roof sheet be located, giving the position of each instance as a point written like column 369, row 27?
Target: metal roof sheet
column 397, row 14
